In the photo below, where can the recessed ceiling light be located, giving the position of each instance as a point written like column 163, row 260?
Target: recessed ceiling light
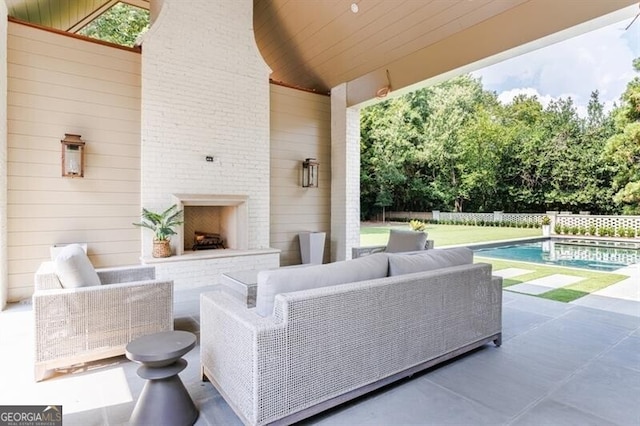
column 354, row 7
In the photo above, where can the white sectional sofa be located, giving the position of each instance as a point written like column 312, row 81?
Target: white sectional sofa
column 324, row 334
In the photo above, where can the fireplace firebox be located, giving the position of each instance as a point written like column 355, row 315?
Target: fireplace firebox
column 219, row 221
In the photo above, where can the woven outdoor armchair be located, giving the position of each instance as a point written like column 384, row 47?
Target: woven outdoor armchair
column 399, row 241
column 76, row 325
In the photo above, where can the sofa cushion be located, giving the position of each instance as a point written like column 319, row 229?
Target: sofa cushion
column 428, row 260
column 74, row 269
column 285, row 280
column 401, row 240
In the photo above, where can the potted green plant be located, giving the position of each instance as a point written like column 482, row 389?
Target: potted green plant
column 162, row 225
column 546, row 226
column 417, row 225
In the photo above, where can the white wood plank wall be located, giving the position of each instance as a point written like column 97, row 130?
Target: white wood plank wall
column 3, row 156
column 59, row 85
column 300, row 128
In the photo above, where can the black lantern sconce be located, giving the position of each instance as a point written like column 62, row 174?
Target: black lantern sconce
column 310, row 173
column 72, row 156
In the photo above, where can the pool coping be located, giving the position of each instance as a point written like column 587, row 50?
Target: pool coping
column 498, row 243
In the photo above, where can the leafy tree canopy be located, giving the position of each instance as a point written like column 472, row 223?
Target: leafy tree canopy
column 121, row 24
column 623, row 148
column 455, row 147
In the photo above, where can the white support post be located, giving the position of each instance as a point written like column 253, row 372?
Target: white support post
column 345, row 175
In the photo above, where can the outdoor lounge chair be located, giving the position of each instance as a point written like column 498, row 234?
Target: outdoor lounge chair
column 399, row 241
column 86, row 323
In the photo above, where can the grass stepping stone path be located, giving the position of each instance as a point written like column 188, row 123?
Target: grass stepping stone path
column 542, row 285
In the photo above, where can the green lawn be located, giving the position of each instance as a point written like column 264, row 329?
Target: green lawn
column 592, row 281
column 447, row 235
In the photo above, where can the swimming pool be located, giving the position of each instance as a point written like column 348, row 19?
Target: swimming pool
column 583, row 254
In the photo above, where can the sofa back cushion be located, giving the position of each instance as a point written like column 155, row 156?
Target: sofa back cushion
column 428, row 260
column 285, row 280
column 74, row 269
column 403, row 240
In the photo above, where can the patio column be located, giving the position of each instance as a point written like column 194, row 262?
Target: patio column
column 345, row 175
column 4, row 281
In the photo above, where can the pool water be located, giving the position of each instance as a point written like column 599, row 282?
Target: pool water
column 559, row 253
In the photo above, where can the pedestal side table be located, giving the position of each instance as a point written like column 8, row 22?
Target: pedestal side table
column 164, row 399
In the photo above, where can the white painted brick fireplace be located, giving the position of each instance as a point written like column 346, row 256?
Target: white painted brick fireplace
column 205, row 93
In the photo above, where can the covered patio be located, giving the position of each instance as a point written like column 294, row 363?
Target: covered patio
column 560, row 364
column 153, row 117
column 224, row 98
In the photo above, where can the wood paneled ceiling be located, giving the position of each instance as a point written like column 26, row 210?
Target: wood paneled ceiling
column 320, row 44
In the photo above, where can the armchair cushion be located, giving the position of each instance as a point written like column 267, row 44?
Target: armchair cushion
column 401, row 240
column 400, row 264
column 74, row 269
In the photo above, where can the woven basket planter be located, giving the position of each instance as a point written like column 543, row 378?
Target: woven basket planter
column 161, row 248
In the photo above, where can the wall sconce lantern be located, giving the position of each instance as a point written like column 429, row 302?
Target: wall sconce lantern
column 310, row 173
column 72, row 156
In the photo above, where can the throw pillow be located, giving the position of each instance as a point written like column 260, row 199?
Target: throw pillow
column 74, row 269
column 400, row 264
column 286, row 280
column 401, row 240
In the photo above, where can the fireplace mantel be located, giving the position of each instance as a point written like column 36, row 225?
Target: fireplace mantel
column 209, row 199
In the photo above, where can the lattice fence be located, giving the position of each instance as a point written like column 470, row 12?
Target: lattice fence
column 461, row 217
column 614, row 223
column 523, row 217
column 469, row 217
column 619, row 226
column 586, row 221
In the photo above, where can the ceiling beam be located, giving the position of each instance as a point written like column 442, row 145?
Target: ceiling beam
column 526, row 27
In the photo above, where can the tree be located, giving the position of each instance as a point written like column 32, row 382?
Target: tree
column 452, row 107
column 384, row 200
column 121, row 24
column 482, row 144
column 623, row 148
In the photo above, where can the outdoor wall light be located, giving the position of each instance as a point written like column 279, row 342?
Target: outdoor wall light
column 72, row 156
column 310, row 173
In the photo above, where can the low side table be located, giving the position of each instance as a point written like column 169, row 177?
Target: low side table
column 164, row 399
column 243, row 284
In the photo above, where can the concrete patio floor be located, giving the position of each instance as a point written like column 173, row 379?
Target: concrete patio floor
column 560, row 364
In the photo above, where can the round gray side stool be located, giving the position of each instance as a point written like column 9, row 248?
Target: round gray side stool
column 164, row 399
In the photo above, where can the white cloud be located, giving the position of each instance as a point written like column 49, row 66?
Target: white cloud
column 600, row 60
column 507, row 96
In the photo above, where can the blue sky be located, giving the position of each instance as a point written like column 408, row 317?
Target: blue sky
column 600, row 60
